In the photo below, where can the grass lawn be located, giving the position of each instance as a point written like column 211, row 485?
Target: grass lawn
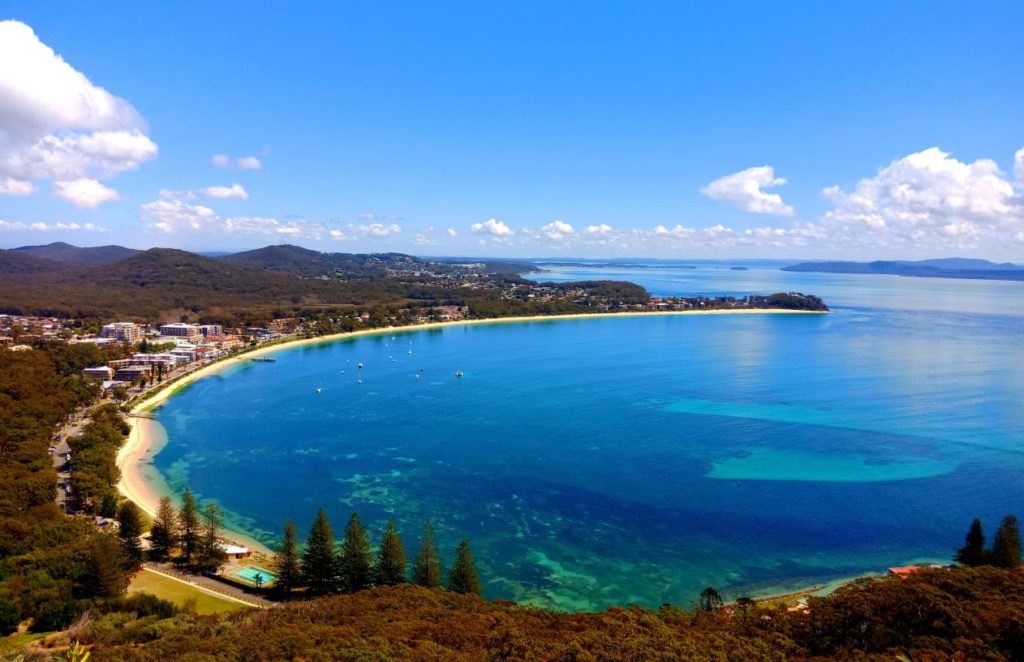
column 178, row 592
column 14, row 644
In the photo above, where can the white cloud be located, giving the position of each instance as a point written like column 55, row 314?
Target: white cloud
column 337, row 234
column 85, row 192
column 177, row 216
column 492, row 227
column 234, row 192
column 378, row 229
column 451, row 232
column 55, row 124
column 557, row 230
column 927, row 198
column 241, row 163
column 254, row 225
column 601, row 229
column 11, row 186
column 744, row 190
column 1018, row 165
column 47, row 227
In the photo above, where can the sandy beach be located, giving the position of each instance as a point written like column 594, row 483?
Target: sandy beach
column 142, row 484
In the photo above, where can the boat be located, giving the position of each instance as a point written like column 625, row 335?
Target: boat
column 318, row 389
column 458, row 374
column 360, row 366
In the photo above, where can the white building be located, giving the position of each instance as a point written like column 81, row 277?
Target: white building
column 180, row 330
column 126, row 331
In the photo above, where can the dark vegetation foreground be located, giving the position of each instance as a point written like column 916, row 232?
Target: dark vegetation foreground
column 963, row 613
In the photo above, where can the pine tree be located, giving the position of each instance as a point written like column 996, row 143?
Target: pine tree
column 289, row 571
column 188, row 520
column 211, row 556
column 463, row 577
column 129, row 518
column 108, row 505
column 104, row 573
column 391, row 561
column 710, row 600
column 1006, row 544
column 354, row 564
column 973, row 552
column 318, row 570
column 427, row 570
column 164, row 533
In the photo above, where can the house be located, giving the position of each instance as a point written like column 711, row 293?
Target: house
column 235, row 551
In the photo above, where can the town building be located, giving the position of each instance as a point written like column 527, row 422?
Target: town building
column 180, row 330
column 125, row 331
column 211, row 330
column 103, row 372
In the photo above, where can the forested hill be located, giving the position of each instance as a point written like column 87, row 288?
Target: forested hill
column 943, row 268
column 306, row 262
column 254, row 287
column 59, row 251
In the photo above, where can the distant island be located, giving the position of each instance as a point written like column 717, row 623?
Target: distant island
column 954, row 267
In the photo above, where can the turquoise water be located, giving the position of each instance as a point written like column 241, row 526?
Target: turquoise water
column 250, row 574
column 608, row 461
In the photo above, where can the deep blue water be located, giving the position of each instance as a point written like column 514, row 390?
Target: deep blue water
column 606, row 461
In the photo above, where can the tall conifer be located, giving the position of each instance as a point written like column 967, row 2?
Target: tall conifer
column 188, row 520
column 164, row 533
column 1006, row 544
column 129, row 520
column 318, row 564
column 391, row 561
column 973, row 552
column 289, row 571
column 463, row 577
column 427, row 569
column 354, row 564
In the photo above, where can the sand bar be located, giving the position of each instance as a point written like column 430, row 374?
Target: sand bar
column 141, row 483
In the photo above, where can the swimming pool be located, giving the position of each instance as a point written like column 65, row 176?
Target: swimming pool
column 251, row 573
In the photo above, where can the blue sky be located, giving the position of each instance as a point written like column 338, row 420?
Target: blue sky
column 838, row 129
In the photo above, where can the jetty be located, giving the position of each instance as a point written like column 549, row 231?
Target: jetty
column 263, row 359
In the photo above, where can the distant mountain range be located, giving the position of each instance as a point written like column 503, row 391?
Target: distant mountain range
column 59, row 251
column 953, row 267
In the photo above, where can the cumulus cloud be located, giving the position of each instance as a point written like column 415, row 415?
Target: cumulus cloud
column 85, row 192
column 378, row 229
column 180, row 216
column 1018, row 165
column 241, row 163
column 177, row 216
column 927, row 198
column 492, row 227
column 11, row 186
column 55, row 124
column 601, row 229
column 451, row 232
column 234, row 192
column 249, row 163
column 47, row 227
column 745, row 190
column 557, row 230
column 254, row 225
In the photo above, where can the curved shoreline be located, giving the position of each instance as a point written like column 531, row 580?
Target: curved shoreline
column 135, row 455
